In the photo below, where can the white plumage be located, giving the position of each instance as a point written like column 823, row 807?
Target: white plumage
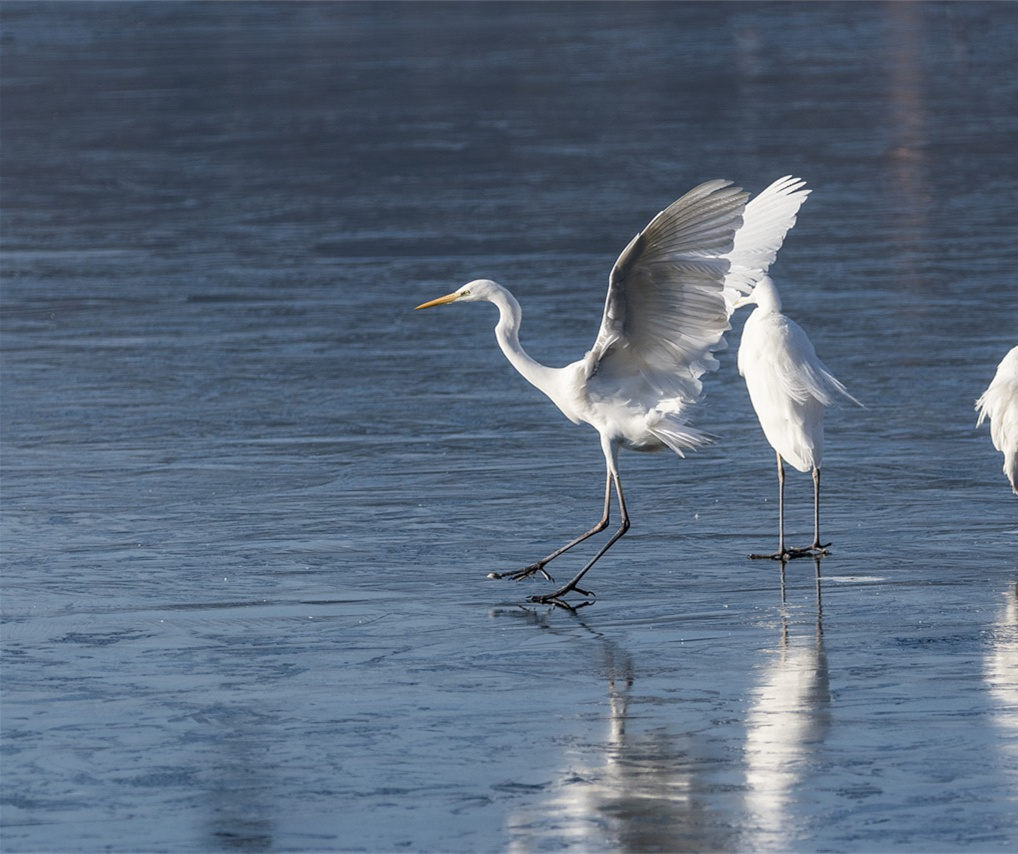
column 999, row 403
column 789, row 387
column 670, row 296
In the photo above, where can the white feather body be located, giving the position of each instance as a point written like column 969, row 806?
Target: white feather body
column 999, row 403
column 788, row 384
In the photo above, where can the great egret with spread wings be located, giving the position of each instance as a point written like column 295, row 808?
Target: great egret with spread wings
column 670, row 295
column 789, row 387
column 999, row 403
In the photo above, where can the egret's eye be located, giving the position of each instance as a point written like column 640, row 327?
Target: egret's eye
column 465, row 292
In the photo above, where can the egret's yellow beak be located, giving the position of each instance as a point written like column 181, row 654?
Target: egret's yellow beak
column 455, row 295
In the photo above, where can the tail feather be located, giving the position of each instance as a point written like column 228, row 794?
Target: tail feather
column 680, row 437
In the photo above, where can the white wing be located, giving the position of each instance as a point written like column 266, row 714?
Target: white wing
column 667, row 312
column 778, row 345
column 766, row 220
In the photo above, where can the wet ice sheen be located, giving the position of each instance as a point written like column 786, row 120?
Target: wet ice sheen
column 250, row 499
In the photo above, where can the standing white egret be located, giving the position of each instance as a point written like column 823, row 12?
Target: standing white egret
column 789, row 387
column 670, row 296
column 999, row 403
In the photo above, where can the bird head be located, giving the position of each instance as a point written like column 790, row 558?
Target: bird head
column 479, row 289
column 743, row 301
column 765, row 295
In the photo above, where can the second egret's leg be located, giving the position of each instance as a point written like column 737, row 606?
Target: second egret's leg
column 556, row 597
column 781, row 506
column 538, row 566
column 817, row 547
column 781, row 553
column 815, row 550
column 787, row 553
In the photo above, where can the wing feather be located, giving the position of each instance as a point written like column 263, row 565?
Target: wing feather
column 767, row 219
column 665, row 312
column 672, row 290
column 797, row 367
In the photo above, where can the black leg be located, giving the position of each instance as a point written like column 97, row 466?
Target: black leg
column 817, row 547
column 781, row 505
column 789, row 553
column 538, row 566
column 556, row 597
column 782, row 553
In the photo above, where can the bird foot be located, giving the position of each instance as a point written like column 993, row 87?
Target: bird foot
column 557, row 600
column 815, row 550
column 520, row 574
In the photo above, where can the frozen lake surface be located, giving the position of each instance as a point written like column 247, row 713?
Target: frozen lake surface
column 250, row 498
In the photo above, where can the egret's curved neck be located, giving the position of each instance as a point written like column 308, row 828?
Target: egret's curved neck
column 507, row 333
